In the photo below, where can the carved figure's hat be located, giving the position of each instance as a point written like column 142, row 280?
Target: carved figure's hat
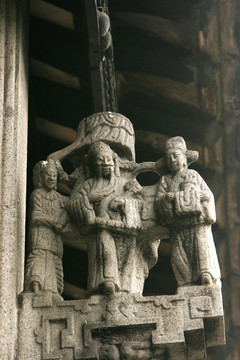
column 111, row 128
column 98, row 147
column 178, row 142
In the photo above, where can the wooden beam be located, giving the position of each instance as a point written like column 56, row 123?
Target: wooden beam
column 69, row 5
column 177, row 33
column 190, row 96
column 51, row 13
column 48, row 72
column 141, row 58
column 158, row 86
column 145, row 115
column 56, row 131
column 174, row 9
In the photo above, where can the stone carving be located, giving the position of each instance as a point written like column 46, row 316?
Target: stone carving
column 160, row 327
column 108, row 211
column 122, row 223
column 186, row 205
column 48, row 217
column 107, row 204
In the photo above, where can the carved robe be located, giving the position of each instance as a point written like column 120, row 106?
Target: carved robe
column 109, row 233
column 44, row 263
column 189, row 219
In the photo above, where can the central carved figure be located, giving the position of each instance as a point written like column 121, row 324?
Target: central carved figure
column 109, row 218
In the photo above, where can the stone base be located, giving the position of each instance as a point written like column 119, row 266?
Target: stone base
column 124, row 326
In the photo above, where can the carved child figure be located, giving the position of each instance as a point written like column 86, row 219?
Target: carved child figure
column 48, row 218
column 186, row 205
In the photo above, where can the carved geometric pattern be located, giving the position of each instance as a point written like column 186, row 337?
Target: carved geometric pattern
column 127, row 324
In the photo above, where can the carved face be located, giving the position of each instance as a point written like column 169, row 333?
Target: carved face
column 49, row 177
column 176, row 160
column 104, row 163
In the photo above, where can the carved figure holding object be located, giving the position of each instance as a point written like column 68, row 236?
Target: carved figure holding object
column 186, row 205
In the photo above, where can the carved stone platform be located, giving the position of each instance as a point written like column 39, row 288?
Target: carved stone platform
column 124, row 326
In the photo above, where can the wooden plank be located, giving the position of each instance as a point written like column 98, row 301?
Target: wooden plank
column 143, row 59
column 180, row 92
column 69, row 5
column 174, row 9
column 146, row 116
column 174, row 32
column 48, row 72
column 52, row 13
column 56, row 131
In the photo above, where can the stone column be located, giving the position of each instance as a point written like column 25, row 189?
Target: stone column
column 13, row 154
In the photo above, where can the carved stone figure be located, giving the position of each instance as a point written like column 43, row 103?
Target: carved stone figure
column 108, row 204
column 107, row 209
column 48, row 217
column 122, row 223
column 186, row 205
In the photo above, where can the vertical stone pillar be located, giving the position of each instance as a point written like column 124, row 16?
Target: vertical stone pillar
column 13, row 154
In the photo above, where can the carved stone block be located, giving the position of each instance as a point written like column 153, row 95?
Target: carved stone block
column 127, row 326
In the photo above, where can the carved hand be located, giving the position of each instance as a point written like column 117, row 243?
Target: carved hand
column 61, row 223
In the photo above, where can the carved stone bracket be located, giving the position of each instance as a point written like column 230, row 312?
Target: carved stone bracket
column 182, row 325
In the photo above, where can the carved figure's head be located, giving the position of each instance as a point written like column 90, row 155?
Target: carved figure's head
column 46, row 173
column 176, row 154
column 178, row 157
column 102, row 160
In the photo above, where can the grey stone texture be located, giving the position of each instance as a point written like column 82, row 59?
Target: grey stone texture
column 186, row 205
column 49, row 217
column 122, row 224
column 124, row 326
column 13, row 155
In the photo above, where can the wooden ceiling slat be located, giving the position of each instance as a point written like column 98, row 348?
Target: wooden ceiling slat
column 178, row 95
column 69, row 5
column 48, row 72
column 152, row 62
column 152, row 118
column 56, row 131
column 171, row 9
column 52, row 13
column 174, row 32
column 184, row 93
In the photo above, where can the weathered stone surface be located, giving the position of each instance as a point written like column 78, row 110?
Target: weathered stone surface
column 122, row 223
column 123, row 327
column 186, row 205
column 13, row 156
column 48, row 219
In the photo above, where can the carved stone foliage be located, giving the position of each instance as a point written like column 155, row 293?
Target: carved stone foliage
column 122, row 224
